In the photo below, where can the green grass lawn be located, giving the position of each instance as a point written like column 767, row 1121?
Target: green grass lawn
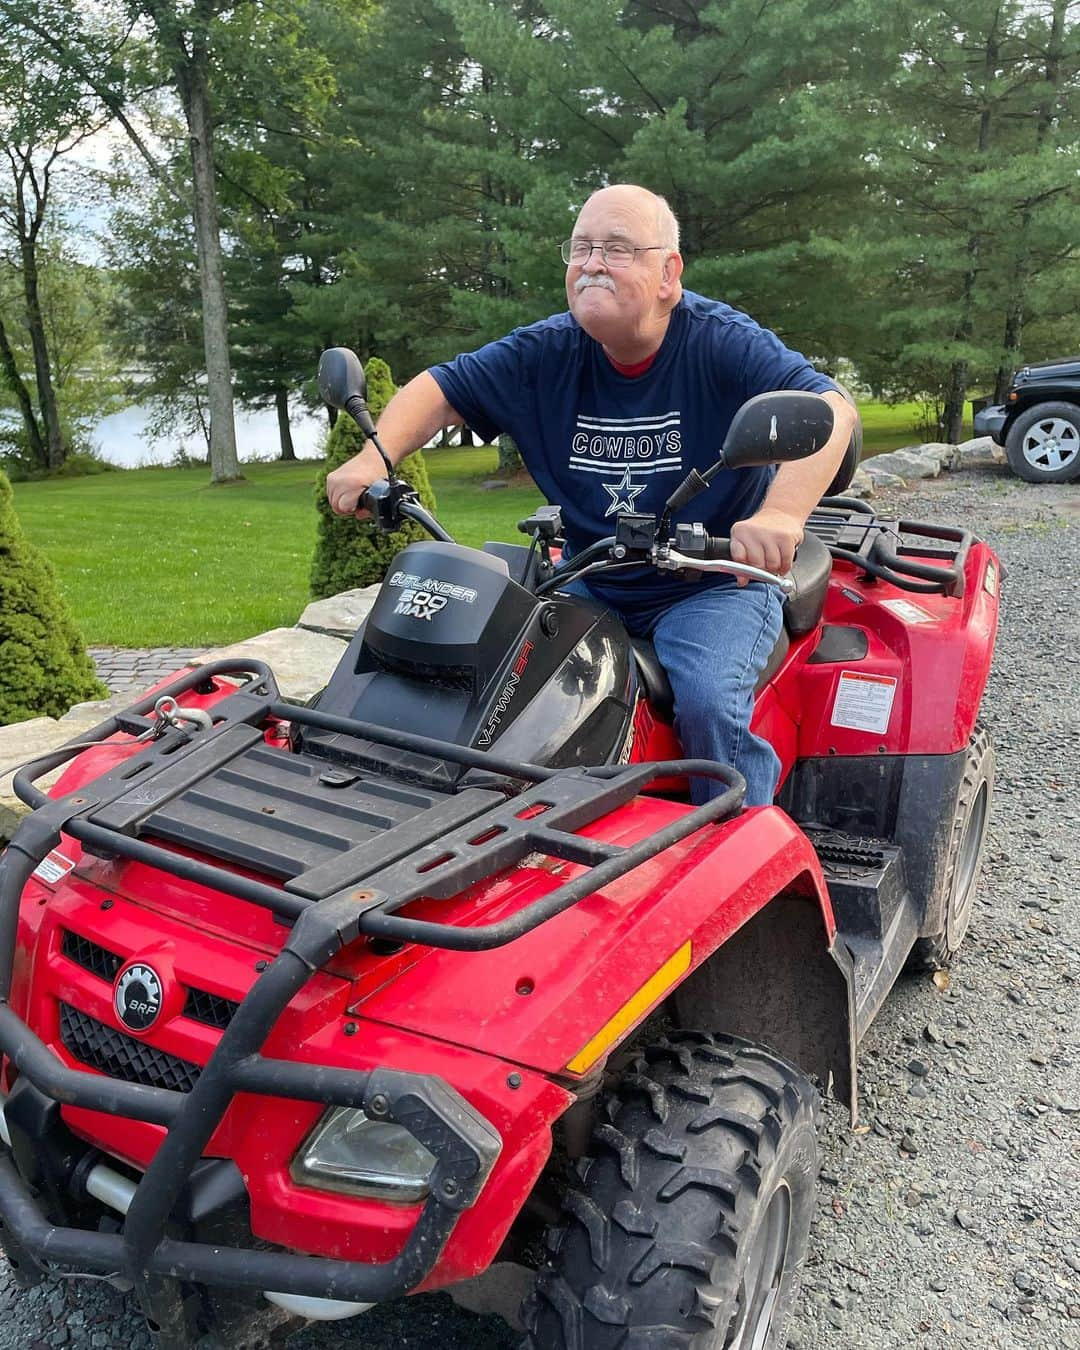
column 156, row 557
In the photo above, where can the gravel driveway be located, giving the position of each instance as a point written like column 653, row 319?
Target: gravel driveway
column 951, row 1217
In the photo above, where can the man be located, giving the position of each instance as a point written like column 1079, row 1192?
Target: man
column 611, row 404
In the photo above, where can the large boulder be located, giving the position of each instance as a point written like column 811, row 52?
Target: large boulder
column 339, row 615
column 301, row 660
column 980, row 452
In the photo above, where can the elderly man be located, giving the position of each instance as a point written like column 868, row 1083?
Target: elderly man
column 611, row 404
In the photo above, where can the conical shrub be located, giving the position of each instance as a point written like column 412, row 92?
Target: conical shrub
column 44, row 667
column 350, row 552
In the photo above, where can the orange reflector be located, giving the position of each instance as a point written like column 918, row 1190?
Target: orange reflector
column 653, row 989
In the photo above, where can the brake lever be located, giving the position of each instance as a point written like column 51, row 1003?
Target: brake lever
column 670, row 560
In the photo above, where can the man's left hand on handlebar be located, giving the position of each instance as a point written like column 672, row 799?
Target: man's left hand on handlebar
column 768, row 539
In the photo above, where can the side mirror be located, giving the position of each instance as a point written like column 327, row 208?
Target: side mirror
column 777, row 427
column 767, row 429
column 341, row 377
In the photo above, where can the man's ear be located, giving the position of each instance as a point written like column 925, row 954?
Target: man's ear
column 671, row 272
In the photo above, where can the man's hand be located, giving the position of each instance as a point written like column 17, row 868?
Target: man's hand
column 412, row 417
column 768, row 539
column 346, row 484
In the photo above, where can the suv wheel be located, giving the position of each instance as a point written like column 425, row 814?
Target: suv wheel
column 688, row 1225
column 1043, row 444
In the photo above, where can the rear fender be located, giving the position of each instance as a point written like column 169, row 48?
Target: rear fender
column 928, row 657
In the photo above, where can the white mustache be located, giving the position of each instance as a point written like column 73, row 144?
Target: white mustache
column 596, row 279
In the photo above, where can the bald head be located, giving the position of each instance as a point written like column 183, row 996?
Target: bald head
column 647, row 206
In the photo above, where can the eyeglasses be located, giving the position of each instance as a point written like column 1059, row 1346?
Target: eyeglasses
column 614, row 252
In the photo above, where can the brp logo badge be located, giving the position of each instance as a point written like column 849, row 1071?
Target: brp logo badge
column 138, row 997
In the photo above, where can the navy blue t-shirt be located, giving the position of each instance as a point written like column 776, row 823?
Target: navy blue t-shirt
column 598, row 443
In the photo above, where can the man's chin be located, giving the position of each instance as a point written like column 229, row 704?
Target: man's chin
column 596, row 311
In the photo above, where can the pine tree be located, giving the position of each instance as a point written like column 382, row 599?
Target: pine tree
column 44, row 668
column 349, row 552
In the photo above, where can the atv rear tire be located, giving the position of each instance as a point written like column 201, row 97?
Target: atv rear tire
column 967, row 840
column 1043, row 444
column 687, row 1227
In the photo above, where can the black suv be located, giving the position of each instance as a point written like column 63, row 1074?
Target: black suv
column 1039, row 422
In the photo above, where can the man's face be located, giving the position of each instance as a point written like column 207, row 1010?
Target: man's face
column 613, row 302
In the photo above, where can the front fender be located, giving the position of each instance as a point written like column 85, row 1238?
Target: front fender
column 561, row 998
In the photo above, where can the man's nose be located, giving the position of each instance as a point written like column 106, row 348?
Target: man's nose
column 595, row 261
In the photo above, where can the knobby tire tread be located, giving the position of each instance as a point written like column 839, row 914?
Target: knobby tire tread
column 651, row 1249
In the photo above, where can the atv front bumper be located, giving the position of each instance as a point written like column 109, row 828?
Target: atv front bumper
column 463, row 1143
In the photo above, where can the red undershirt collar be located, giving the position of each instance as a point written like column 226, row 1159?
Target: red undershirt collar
column 639, row 368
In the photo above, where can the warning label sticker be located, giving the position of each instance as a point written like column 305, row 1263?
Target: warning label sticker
column 863, row 702
column 53, row 867
column 904, row 609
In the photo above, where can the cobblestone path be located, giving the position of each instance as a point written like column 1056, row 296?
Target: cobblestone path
column 133, row 669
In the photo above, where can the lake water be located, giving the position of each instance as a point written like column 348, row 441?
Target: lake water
column 122, row 438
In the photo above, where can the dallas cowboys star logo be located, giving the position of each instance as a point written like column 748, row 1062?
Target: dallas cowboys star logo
column 622, row 495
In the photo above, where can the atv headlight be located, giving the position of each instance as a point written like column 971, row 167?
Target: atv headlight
column 350, row 1153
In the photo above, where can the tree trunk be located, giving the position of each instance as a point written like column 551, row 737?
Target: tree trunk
column 224, row 464
column 1014, row 328
column 190, row 61
column 55, row 449
column 509, row 456
column 466, row 436
column 34, row 439
column 952, row 417
column 281, row 401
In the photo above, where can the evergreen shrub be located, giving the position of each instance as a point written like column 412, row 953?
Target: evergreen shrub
column 350, row 552
column 44, row 667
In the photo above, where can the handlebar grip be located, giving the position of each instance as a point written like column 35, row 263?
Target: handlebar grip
column 718, row 548
column 376, row 493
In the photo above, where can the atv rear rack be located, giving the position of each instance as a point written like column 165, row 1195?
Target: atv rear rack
column 444, row 847
column 852, row 533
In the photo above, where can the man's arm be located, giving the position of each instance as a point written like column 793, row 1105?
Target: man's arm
column 769, row 537
column 416, row 413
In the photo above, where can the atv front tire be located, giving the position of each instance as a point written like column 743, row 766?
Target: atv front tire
column 687, row 1226
column 1043, row 444
column 967, row 840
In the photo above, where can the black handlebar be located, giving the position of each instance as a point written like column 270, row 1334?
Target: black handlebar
column 717, row 549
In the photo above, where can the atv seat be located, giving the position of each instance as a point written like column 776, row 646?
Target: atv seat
column 802, row 613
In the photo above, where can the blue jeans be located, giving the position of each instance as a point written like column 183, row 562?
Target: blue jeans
column 713, row 645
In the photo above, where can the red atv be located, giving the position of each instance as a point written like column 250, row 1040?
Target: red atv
column 329, row 1004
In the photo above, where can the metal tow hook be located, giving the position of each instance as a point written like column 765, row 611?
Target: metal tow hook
column 168, row 713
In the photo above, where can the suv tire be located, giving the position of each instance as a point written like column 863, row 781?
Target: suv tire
column 687, row 1226
column 1043, row 444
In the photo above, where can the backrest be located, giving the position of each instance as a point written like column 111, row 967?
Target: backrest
column 852, row 454
column 813, row 564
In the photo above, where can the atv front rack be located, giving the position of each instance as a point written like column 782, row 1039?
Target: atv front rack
column 447, row 845
column 451, row 842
